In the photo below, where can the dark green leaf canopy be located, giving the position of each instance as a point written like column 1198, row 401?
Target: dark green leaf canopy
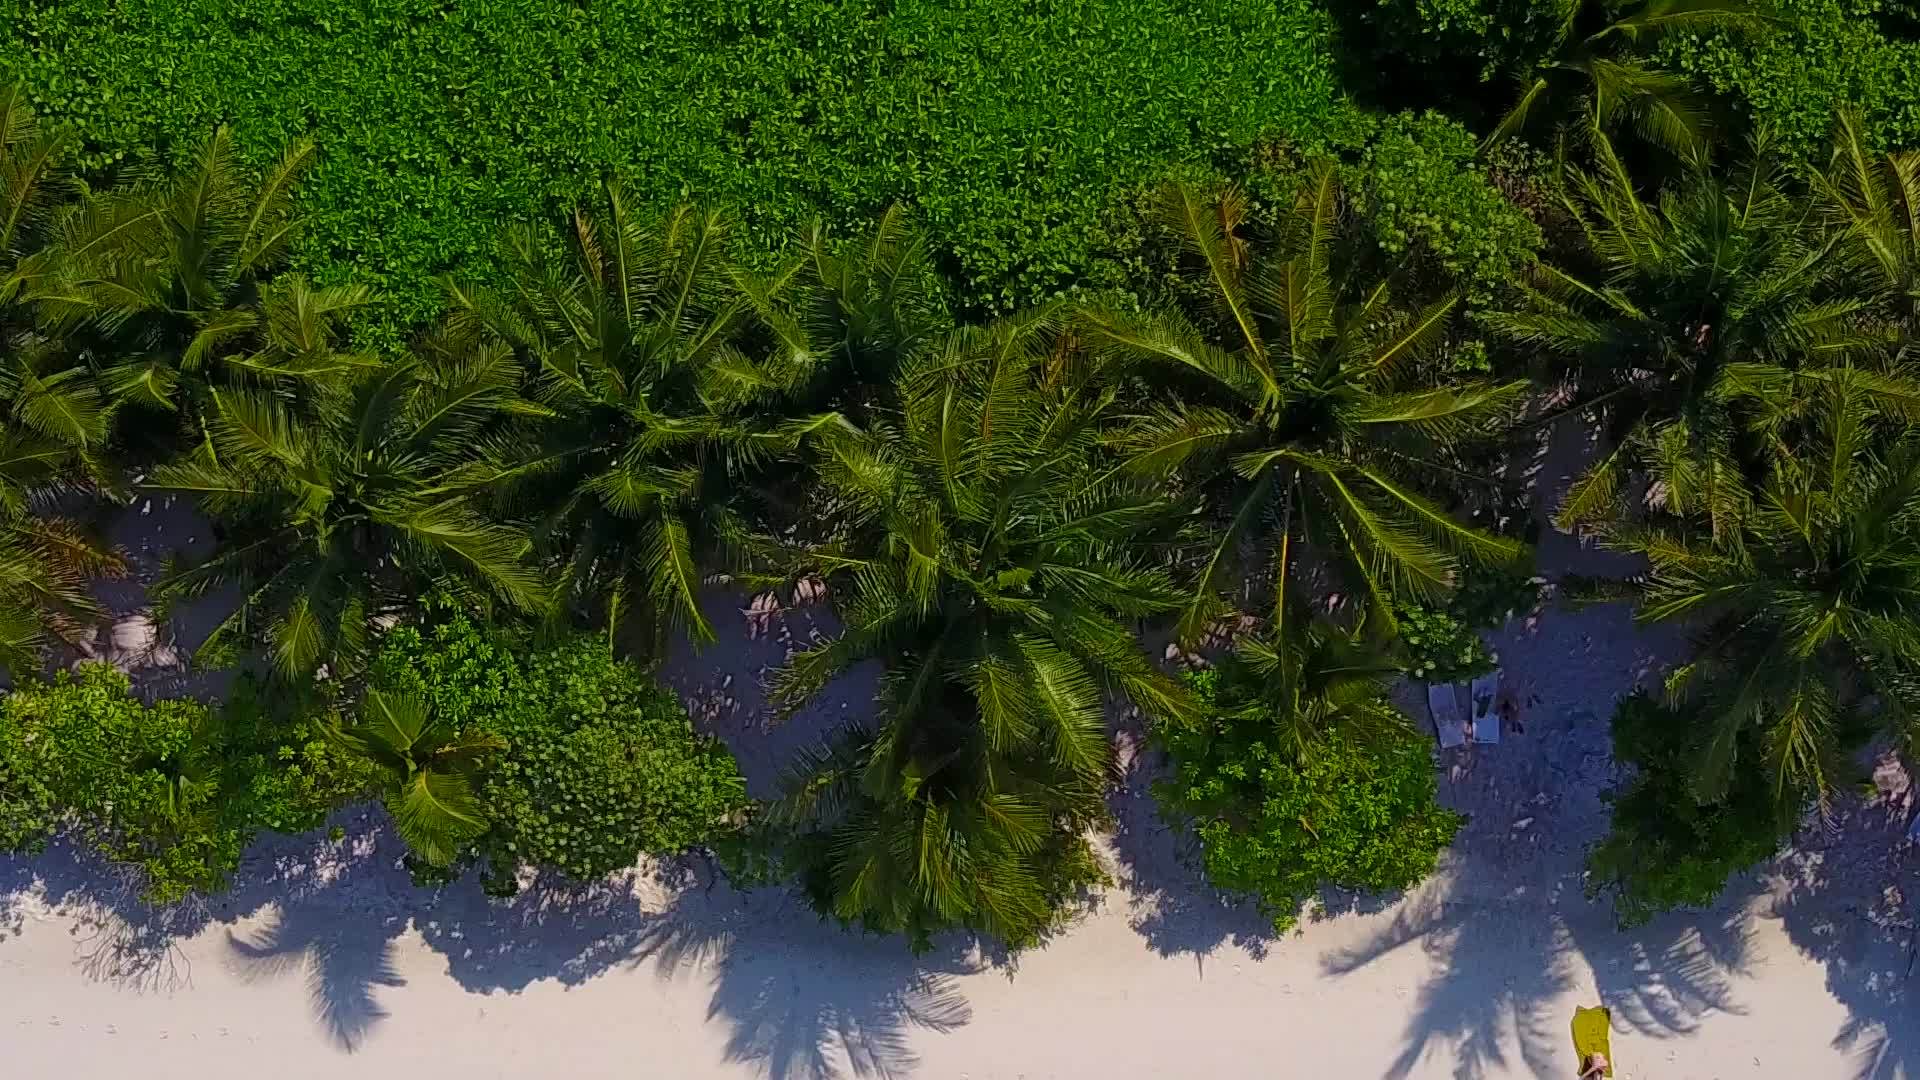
column 984, row 551
column 1296, row 401
column 634, row 345
column 1688, row 313
column 343, row 520
column 1809, row 609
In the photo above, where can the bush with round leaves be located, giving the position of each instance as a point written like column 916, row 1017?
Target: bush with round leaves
column 599, row 766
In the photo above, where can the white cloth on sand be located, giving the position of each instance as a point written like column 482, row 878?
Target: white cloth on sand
column 1443, row 700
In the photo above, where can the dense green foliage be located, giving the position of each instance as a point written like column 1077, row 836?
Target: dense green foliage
column 583, row 763
column 1668, row 848
column 1441, row 642
column 52, row 420
column 339, row 520
column 1804, row 609
column 1008, row 126
column 1440, row 646
column 1299, row 397
column 1681, row 312
column 1424, row 195
column 632, row 340
column 174, row 790
column 1819, row 55
column 1302, row 774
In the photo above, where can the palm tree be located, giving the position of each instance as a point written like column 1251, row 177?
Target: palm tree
column 842, row 317
column 1590, row 65
column 1682, row 307
column 47, row 563
column 55, row 420
column 335, row 523
column 427, row 768
column 1310, row 679
column 978, row 548
column 1876, row 197
column 634, row 342
column 1809, row 610
column 52, row 418
column 176, row 281
column 1300, row 410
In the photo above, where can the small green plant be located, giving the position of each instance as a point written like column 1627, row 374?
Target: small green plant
column 1440, row 646
column 1423, row 194
column 1819, row 52
column 1302, row 773
column 173, row 790
column 594, row 764
column 426, row 767
column 1442, row 643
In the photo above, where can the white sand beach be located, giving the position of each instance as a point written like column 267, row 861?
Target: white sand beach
column 325, row 961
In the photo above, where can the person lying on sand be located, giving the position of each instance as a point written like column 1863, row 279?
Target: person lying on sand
column 1595, row 1065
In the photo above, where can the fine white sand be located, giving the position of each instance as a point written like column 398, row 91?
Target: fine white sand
column 324, row 961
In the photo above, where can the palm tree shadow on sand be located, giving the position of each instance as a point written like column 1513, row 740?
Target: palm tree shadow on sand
column 1851, row 900
column 1510, row 940
column 801, row 1000
column 1510, row 933
column 1503, row 965
column 342, row 948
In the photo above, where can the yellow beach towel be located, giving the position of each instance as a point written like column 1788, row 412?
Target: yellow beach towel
column 1592, row 1034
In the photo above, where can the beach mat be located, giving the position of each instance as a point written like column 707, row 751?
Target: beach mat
column 1448, row 722
column 1592, row 1034
column 1486, row 719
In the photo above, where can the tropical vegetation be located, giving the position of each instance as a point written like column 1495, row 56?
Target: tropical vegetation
column 983, row 551
column 1016, row 337
column 1301, row 772
column 555, row 756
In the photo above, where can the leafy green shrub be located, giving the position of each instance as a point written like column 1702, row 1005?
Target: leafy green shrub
column 1354, row 809
column 1440, row 646
column 1666, row 848
column 1006, row 124
column 1421, row 204
column 1824, row 53
column 1422, row 191
column 288, row 775
column 174, row 790
column 600, row 764
column 1441, row 643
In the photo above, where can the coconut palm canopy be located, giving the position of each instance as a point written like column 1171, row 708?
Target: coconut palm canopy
column 175, row 281
column 344, row 519
column 983, row 550
column 1297, row 403
column 1687, row 310
column 1806, row 613
column 53, row 414
column 1594, row 67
